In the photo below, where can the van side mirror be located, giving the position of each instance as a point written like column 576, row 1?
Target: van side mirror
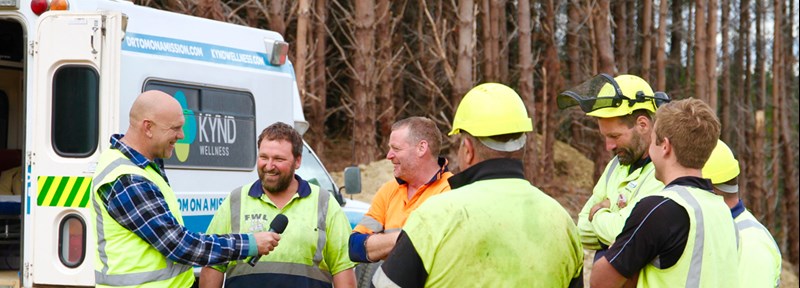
column 352, row 180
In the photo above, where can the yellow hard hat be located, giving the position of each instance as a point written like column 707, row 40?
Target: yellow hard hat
column 630, row 87
column 721, row 166
column 491, row 109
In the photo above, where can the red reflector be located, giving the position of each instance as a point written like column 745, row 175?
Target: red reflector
column 39, row 6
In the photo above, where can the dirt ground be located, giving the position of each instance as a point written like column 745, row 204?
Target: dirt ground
column 572, row 188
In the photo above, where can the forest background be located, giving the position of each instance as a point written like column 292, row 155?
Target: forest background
column 361, row 65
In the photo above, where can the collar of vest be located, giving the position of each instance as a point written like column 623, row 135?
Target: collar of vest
column 303, row 188
column 691, row 181
column 136, row 158
column 738, row 209
column 498, row 168
column 639, row 164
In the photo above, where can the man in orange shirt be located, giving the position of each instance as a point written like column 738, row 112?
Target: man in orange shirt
column 419, row 174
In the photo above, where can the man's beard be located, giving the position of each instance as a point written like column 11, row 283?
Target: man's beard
column 283, row 181
column 628, row 156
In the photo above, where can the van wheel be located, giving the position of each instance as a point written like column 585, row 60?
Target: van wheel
column 364, row 272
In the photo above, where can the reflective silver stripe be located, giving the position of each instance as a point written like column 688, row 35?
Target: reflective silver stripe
column 171, row 271
column 392, row 230
column 101, row 237
column 750, row 223
column 371, row 224
column 235, row 201
column 696, row 264
column 111, row 166
column 285, row 268
column 614, row 163
column 381, row 280
column 322, row 213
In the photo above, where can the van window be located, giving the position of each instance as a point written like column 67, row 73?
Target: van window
column 220, row 129
column 75, row 111
column 312, row 171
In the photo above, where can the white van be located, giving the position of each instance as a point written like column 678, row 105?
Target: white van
column 67, row 81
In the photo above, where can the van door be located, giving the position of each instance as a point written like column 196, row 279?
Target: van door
column 74, row 101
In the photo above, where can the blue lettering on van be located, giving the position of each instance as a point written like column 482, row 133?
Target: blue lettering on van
column 178, row 48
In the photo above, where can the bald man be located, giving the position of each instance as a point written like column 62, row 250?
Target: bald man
column 140, row 236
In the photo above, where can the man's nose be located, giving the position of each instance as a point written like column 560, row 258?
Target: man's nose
column 610, row 144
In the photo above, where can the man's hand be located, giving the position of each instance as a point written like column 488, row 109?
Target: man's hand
column 605, row 204
column 266, row 241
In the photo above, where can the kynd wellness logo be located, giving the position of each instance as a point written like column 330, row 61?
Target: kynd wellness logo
column 189, row 129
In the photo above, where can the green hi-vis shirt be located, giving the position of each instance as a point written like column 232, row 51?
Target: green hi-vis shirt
column 310, row 250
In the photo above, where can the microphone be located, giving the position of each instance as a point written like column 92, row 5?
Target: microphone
column 277, row 225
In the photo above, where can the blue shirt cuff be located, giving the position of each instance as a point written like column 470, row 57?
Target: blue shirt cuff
column 252, row 245
column 358, row 248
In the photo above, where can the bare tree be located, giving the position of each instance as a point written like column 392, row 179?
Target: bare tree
column 316, row 115
column 711, row 54
column 463, row 79
column 551, row 87
column 602, row 32
column 385, row 103
column 701, row 82
column 647, row 20
column 209, row 9
column 676, row 70
column 574, row 24
column 661, row 69
column 725, row 103
column 526, row 84
column 621, row 42
column 276, row 14
column 301, row 49
column 363, row 85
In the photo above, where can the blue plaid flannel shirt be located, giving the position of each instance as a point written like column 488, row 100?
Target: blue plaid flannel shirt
column 138, row 205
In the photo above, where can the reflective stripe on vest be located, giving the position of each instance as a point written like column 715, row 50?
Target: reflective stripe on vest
column 172, row 269
column 614, row 163
column 296, row 269
column 695, row 266
column 750, row 223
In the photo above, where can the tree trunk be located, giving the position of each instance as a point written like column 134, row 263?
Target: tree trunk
column 316, row 117
column 690, row 49
column 499, row 9
column 526, row 84
column 742, row 94
column 385, row 67
column 621, row 43
column 661, row 69
column 647, row 19
column 463, row 81
column 725, row 102
column 676, row 69
column 603, row 38
column 701, row 81
column 777, row 84
column 488, row 42
column 590, row 7
column 553, row 78
column 711, row 54
column 276, row 21
column 757, row 148
column 573, row 41
column 301, row 48
column 364, row 130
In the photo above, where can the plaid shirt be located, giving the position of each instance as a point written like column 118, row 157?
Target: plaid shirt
column 138, row 205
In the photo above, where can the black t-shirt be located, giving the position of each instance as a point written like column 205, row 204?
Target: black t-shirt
column 656, row 231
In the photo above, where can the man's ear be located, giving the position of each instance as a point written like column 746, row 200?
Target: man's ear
column 422, row 148
column 297, row 162
column 643, row 124
column 468, row 150
column 147, row 128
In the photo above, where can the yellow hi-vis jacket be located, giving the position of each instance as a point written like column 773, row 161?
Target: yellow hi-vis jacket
column 616, row 184
column 710, row 254
column 123, row 259
column 760, row 258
